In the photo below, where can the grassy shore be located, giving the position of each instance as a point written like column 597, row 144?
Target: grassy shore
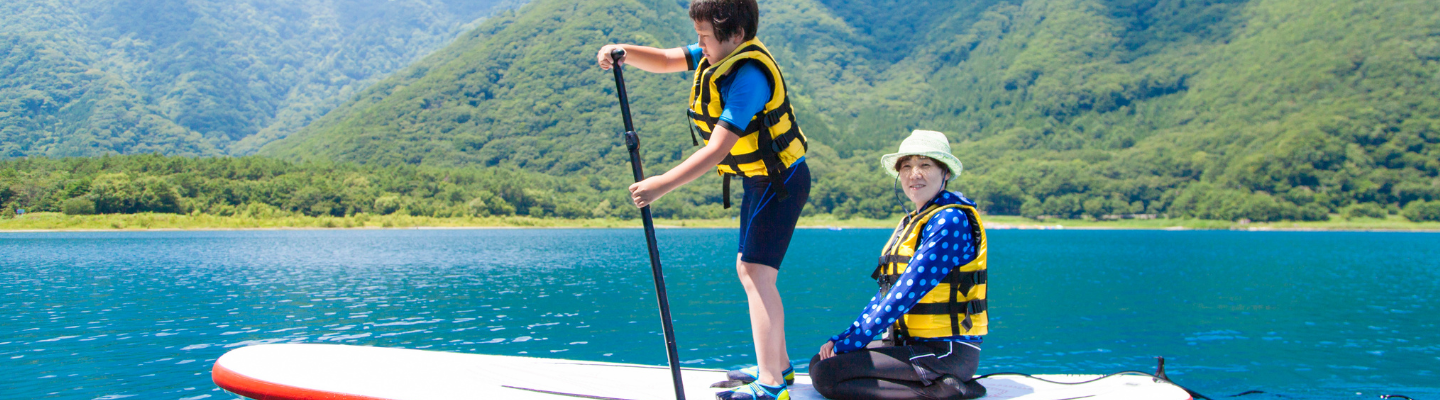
column 1336, row 223
column 150, row 221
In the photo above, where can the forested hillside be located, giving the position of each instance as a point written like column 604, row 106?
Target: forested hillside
column 1223, row 109
column 92, row 77
column 265, row 187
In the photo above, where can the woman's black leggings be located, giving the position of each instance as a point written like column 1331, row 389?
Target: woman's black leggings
column 900, row 372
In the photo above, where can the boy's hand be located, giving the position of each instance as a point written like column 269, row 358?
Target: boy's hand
column 603, row 57
column 645, row 192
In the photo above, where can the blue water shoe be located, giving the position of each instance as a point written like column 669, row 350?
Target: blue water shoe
column 751, row 374
column 755, row 391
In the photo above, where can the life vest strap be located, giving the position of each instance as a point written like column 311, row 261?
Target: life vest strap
column 771, row 159
column 745, row 158
column 892, row 259
column 973, row 307
column 702, row 117
column 766, row 120
column 725, row 189
column 697, row 118
column 774, row 117
column 953, row 306
column 902, row 331
column 688, row 124
column 966, row 278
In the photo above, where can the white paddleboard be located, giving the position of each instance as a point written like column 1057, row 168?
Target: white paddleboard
column 338, row 372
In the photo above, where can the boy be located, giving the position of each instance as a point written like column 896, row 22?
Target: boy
column 739, row 105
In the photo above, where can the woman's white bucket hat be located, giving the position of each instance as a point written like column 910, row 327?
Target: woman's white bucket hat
column 923, row 143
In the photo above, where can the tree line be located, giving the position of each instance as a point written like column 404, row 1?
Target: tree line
column 262, row 187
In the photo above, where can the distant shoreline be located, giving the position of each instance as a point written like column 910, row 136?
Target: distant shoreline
column 57, row 222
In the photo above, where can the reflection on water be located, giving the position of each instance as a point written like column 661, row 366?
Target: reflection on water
column 145, row 314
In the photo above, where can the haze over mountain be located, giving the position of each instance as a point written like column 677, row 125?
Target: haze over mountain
column 89, row 77
column 1264, row 109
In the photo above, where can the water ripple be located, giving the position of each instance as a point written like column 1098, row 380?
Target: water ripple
column 1231, row 311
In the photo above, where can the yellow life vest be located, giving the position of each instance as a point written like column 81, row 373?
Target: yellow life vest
column 772, row 141
column 957, row 305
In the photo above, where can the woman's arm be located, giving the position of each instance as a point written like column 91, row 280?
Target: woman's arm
column 645, row 192
column 646, row 58
column 938, row 252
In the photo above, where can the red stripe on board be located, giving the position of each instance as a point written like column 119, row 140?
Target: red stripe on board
column 263, row 390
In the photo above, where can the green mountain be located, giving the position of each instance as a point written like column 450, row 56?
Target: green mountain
column 90, row 77
column 1227, row 109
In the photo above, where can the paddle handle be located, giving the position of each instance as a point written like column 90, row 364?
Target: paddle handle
column 632, row 143
column 616, row 55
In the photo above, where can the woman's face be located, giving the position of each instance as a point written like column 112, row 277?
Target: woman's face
column 716, row 49
column 921, row 177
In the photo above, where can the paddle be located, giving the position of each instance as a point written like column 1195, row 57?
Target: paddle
column 632, row 142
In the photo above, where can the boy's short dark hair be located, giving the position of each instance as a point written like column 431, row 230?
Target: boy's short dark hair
column 727, row 16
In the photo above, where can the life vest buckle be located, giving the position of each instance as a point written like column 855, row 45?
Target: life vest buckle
column 773, row 118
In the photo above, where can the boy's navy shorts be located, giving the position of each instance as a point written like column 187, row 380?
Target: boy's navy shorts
column 766, row 222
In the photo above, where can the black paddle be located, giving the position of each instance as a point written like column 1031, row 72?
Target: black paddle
column 632, row 142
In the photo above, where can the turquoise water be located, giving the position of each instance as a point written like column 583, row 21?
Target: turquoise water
column 145, row 314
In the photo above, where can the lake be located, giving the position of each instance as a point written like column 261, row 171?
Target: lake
column 109, row 315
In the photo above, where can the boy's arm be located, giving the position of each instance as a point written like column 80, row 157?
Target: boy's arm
column 745, row 97
column 646, row 58
column 647, row 191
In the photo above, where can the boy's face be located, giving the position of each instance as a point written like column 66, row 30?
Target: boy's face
column 714, row 48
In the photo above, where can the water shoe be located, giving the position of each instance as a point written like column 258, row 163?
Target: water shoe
column 744, row 376
column 755, row 391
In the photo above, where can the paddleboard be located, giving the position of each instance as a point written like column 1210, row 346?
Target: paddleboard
column 339, row 372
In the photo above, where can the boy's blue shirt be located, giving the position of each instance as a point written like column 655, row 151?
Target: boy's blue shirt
column 743, row 92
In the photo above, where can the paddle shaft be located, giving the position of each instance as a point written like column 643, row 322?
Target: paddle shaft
column 632, row 143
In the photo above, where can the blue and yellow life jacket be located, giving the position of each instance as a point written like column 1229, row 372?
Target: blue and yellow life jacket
column 956, row 306
column 771, row 142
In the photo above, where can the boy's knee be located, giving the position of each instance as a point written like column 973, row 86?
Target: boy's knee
column 742, row 271
column 749, row 270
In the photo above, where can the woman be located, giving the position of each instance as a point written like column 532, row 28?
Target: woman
column 931, row 305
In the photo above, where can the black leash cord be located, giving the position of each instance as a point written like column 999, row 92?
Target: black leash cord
column 1187, row 390
column 1191, row 392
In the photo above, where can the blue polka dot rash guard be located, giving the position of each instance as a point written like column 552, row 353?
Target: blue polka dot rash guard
column 945, row 243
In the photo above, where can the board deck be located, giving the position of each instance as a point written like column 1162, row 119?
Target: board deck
column 339, row 372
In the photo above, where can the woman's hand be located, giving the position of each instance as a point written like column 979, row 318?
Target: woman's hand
column 827, row 350
column 603, row 57
column 644, row 193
